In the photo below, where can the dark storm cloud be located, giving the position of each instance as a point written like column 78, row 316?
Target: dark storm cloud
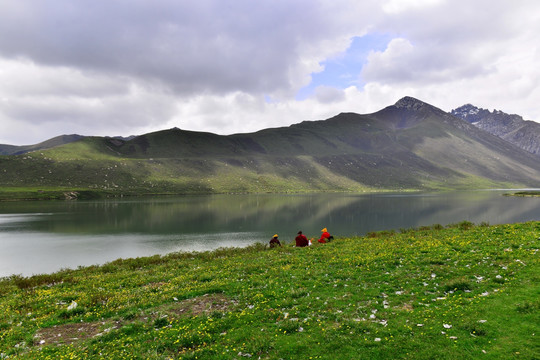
column 213, row 46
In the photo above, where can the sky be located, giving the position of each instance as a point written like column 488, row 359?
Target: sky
column 129, row 67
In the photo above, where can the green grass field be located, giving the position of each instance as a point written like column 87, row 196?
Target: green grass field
column 442, row 292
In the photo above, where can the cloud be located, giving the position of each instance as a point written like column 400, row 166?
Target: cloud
column 447, row 41
column 54, row 98
column 402, row 62
column 204, row 46
column 124, row 67
column 399, row 6
column 328, row 94
column 24, row 78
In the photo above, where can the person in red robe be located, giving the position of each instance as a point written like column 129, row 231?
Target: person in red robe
column 301, row 240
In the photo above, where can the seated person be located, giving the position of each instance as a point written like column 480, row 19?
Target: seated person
column 325, row 237
column 274, row 241
column 301, row 240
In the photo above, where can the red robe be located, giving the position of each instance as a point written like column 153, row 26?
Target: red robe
column 325, row 235
column 301, row 240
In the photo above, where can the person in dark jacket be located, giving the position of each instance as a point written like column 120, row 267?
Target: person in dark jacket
column 274, row 241
column 301, row 240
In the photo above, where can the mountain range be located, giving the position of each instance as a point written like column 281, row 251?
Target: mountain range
column 512, row 128
column 410, row 145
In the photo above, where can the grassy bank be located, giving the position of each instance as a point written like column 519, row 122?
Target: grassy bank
column 50, row 193
column 452, row 292
column 526, row 193
column 53, row 193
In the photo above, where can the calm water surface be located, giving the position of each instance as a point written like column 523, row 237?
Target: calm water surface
column 46, row 236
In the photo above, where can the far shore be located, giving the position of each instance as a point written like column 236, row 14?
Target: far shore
column 37, row 194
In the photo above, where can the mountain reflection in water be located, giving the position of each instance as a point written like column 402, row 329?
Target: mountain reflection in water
column 37, row 237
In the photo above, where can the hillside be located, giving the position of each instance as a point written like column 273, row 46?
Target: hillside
column 56, row 141
column 512, row 128
column 409, row 145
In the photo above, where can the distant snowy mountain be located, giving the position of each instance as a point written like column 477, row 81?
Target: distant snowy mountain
column 510, row 127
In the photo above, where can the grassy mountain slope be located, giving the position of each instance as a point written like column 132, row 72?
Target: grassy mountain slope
column 56, row 141
column 451, row 143
column 409, row 145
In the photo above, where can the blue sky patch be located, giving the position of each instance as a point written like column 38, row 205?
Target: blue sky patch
column 344, row 70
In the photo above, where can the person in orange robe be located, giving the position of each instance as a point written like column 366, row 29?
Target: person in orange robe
column 325, row 237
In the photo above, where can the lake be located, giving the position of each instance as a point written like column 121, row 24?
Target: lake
column 46, row 236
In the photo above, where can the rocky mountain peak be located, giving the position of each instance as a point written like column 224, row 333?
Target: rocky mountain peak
column 409, row 103
column 475, row 114
column 466, row 111
column 512, row 128
column 470, row 113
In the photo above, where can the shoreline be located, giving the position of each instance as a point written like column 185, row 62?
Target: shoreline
column 39, row 194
